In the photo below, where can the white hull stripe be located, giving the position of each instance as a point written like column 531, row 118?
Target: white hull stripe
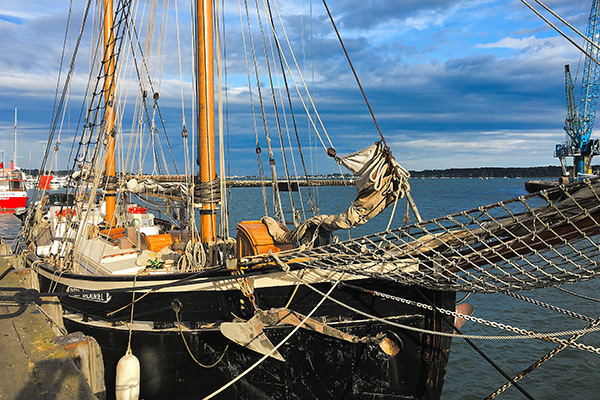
column 274, row 279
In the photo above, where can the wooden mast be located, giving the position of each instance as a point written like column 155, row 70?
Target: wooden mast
column 15, row 152
column 109, row 113
column 205, row 157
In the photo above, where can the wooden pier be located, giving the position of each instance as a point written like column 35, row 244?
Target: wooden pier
column 39, row 360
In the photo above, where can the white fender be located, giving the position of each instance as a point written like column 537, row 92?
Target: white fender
column 127, row 382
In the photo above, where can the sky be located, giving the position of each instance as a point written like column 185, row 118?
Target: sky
column 452, row 83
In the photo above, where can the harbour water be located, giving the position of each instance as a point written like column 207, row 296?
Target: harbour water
column 570, row 374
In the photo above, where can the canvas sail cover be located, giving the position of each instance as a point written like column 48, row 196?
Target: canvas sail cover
column 380, row 181
column 151, row 186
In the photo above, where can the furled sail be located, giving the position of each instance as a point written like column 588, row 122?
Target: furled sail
column 380, row 182
column 153, row 186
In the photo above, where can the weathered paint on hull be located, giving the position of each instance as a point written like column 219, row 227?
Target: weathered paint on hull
column 316, row 366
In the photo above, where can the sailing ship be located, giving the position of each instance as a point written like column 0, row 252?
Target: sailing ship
column 280, row 310
column 189, row 300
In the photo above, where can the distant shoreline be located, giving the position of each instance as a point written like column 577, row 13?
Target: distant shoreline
column 549, row 171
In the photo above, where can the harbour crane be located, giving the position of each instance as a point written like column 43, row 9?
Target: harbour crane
column 580, row 122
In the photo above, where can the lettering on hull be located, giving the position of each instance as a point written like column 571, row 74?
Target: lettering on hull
column 100, row 297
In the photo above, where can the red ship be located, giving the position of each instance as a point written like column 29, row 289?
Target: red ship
column 13, row 193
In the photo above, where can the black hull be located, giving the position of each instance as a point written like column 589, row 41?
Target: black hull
column 553, row 189
column 538, row 185
column 316, row 367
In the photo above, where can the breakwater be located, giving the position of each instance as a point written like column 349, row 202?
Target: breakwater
column 293, row 183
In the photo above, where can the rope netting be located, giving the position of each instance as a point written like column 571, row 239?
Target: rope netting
column 544, row 239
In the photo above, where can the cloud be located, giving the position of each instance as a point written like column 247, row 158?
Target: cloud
column 452, row 83
column 357, row 14
column 515, row 43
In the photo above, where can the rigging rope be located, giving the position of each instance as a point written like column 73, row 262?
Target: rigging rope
column 192, row 200
column 227, row 132
column 224, row 226
column 287, row 89
column 275, row 108
column 276, row 196
column 184, row 132
column 66, row 85
column 560, row 32
column 314, row 109
column 591, row 42
column 187, row 347
column 92, row 111
column 307, row 92
column 155, row 94
column 62, row 57
column 578, row 295
column 180, row 67
column 542, row 360
column 354, row 71
column 550, row 306
column 258, row 149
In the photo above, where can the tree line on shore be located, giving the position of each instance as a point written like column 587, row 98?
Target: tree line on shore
column 549, row 171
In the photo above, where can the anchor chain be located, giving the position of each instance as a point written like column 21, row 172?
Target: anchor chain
column 247, row 289
column 541, row 361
